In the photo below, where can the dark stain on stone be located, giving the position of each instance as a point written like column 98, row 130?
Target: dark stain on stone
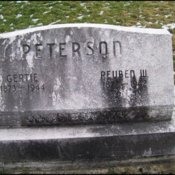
column 139, row 90
column 96, row 116
column 111, row 88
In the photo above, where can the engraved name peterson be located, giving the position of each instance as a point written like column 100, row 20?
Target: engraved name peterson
column 62, row 49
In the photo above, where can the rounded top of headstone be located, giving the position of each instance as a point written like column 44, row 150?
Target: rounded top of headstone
column 86, row 25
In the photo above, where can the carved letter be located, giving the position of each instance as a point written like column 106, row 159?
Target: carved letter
column 105, row 51
column 26, row 48
column 62, row 48
column 75, row 49
column 117, row 48
column 50, row 48
column 38, row 50
column 90, row 48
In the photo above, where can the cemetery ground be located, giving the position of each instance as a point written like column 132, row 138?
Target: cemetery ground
column 17, row 15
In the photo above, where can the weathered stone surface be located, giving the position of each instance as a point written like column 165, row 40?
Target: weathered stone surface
column 85, row 73
column 89, row 143
column 154, row 165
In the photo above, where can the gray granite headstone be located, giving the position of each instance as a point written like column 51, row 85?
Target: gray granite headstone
column 85, row 73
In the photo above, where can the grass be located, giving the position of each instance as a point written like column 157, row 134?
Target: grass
column 149, row 14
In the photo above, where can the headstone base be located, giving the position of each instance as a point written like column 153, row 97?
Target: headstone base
column 155, row 165
column 93, row 144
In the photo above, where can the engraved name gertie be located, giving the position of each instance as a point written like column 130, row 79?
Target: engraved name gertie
column 16, row 82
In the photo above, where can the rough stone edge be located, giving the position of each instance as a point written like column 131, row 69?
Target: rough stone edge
column 88, row 25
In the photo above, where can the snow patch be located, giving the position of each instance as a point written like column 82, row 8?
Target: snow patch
column 80, row 17
column 127, row 4
column 167, row 16
column 82, row 25
column 18, row 15
column 1, row 17
column 22, row 2
column 82, row 4
column 40, row 24
column 106, row 21
column 101, row 13
column 55, row 22
column 169, row 26
column 35, row 20
column 46, row 12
